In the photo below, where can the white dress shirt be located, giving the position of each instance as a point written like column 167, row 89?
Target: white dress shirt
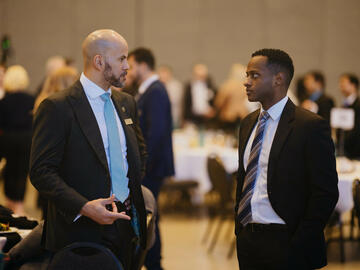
column 348, row 101
column 200, row 96
column 261, row 209
column 93, row 93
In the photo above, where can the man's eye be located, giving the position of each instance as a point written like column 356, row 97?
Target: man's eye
column 255, row 75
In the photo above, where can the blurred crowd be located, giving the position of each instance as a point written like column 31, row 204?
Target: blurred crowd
column 198, row 102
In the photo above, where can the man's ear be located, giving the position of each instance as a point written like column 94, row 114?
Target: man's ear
column 143, row 67
column 279, row 79
column 98, row 62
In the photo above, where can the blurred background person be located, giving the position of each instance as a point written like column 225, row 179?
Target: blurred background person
column 317, row 101
column 349, row 87
column 199, row 96
column 15, row 135
column 301, row 94
column 70, row 62
column 156, row 125
column 2, row 74
column 175, row 91
column 57, row 81
column 231, row 102
column 52, row 64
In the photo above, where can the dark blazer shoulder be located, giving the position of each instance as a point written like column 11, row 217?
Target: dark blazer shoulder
column 76, row 90
column 156, row 89
column 305, row 117
column 157, row 86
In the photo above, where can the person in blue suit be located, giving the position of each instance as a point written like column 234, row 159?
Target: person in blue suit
column 154, row 111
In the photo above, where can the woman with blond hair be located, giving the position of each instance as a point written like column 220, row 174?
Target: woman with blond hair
column 231, row 101
column 15, row 135
column 55, row 82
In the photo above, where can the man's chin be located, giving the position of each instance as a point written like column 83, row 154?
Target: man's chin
column 118, row 84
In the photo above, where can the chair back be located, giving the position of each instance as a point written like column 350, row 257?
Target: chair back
column 356, row 196
column 219, row 179
column 85, row 255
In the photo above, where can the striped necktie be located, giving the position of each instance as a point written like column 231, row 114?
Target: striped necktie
column 244, row 210
column 119, row 180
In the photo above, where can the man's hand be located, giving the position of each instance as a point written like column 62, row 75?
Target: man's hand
column 97, row 211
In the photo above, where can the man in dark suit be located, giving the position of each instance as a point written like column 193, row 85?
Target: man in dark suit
column 88, row 156
column 349, row 86
column 317, row 101
column 156, row 125
column 287, row 181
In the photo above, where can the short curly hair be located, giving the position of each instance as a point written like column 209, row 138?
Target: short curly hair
column 143, row 55
column 278, row 61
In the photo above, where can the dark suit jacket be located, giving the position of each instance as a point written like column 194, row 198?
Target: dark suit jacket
column 301, row 180
column 69, row 167
column 325, row 105
column 15, row 128
column 156, row 125
column 352, row 137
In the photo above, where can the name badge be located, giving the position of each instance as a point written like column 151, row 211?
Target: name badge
column 128, row 121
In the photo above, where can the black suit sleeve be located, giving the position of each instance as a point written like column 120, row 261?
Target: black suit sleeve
column 48, row 144
column 322, row 183
column 325, row 105
column 156, row 119
column 352, row 137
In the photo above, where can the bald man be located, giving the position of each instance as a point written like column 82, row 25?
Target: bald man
column 88, row 156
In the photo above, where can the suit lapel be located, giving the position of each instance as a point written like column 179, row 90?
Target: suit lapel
column 282, row 132
column 124, row 113
column 87, row 121
column 244, row 138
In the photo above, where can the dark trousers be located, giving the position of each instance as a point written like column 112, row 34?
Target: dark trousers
column 15, row 147
column 153, row 257
column 266, row 249
column 121, row 240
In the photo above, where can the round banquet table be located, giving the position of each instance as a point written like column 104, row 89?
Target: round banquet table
column 190, row 163
column 346, row 202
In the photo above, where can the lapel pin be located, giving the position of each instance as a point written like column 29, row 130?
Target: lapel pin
column 123, row 108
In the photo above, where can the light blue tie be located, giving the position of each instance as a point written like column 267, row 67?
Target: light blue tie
column 119, row 180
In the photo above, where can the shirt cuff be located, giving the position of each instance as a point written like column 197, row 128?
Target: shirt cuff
column 77, row 217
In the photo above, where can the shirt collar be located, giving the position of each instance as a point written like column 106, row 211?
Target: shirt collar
column 350, row 99
column 145, row 84
column 92, row 90
column 275, row 110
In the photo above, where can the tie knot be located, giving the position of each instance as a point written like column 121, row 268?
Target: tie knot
column 264, row 116
column 105, row 97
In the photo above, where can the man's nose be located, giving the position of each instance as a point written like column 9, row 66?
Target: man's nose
column 126, row 66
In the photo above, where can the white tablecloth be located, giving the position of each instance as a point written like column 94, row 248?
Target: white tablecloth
column 191, row 149
column 190, row 163
column 345, row 202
